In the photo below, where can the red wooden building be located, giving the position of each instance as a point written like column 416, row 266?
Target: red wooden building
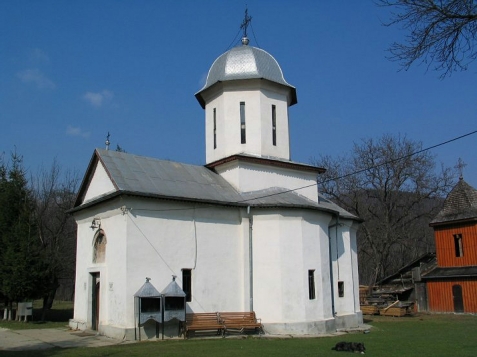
column 452, row 285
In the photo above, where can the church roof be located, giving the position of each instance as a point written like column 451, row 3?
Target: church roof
column 143, row 175
column 281, row 197
column 245, row 62
column 460, row 205
column 154, row 178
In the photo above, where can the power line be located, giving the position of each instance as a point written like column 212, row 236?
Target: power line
column 367, row 168
column 399, row 158
column 329, row 179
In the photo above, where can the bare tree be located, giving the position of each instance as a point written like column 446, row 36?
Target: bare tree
column 393, row 185
column 443, row 32
column 55, row 193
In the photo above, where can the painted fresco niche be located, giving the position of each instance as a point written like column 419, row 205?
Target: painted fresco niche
column 99, row 247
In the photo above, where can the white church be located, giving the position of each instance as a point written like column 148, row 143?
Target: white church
column 248, row 231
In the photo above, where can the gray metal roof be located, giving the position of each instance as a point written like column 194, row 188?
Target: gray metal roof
column 246, row 62
column 173, row 289
column 281, row 197
column 460, row 204
column 149, row 177
column 145, row 175
column 147, row 290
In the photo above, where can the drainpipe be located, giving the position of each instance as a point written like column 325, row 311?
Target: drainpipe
column 330, row 257
column 250, row 255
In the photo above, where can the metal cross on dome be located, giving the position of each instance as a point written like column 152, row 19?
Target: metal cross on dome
column 245, row 23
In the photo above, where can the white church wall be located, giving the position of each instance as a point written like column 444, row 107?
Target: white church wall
column 324, row 295
column 247, row 245
column 316, row 257
column 222, row 131
column 354, row 261
column 158, row 239
column 345, row 271
column 168, row 237
column 113, row 283
column 82, row 298
column 267, row 255
column 287, row 244
column 258, row 96
column 113, row 225
column 246, row 176
column 100, row 184
column 220, row 271
column 279, row 100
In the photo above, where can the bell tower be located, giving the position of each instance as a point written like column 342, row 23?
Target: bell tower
column 246, row 100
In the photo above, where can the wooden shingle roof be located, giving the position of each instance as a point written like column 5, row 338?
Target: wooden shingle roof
column 460, row 205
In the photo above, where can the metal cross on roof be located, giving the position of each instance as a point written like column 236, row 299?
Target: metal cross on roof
column 107, row 142
column 245, row 23
column 460, row 166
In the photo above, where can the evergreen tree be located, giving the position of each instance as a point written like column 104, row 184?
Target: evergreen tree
column 21, row 265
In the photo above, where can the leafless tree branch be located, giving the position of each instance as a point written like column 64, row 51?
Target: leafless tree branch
column 442, row 33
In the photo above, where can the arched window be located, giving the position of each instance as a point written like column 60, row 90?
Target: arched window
column 99, row 246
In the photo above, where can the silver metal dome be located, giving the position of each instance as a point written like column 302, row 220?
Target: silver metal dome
column 245, row 62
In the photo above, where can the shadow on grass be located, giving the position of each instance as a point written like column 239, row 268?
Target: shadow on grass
column 53, row 315
column 58, row 316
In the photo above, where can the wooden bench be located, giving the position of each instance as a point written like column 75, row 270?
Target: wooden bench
column 241, row 321
column 203, row 321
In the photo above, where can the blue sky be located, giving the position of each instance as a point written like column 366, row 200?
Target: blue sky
column 72, row 71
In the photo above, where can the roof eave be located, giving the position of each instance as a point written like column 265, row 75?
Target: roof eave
column 153, row 196
column 455, row 221
column 243, row 204
column 96, row 157
column 293, row 99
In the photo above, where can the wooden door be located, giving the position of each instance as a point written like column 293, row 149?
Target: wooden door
column 95, row 299
column 457, row 297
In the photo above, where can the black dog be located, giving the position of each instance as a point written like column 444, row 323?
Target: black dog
column 350, row 347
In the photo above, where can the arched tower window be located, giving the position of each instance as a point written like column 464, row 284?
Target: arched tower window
column 99, row 246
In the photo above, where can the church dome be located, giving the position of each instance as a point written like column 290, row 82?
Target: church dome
column 245, row 62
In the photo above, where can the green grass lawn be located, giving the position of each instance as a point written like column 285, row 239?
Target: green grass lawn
column 420, row 335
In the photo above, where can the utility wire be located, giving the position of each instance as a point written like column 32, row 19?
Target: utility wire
column 398, row 159
column 333, row 178
column 162, row 258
